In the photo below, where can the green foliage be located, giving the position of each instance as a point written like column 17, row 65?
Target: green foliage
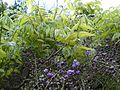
column 3, row 7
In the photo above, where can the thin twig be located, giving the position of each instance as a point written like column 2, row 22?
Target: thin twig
column 53, row 54
column 56, row 9
column 36, row 73
column 83, row 84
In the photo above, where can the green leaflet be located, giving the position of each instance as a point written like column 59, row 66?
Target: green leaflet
column 66, row 51
column 107, row 33
column 76, row 35
column 19, row 61
column 75, row 26
column 2, row 54
column 6, row 28
column 85, row 34
column 80, row 50
column 9, row 71
column 83, row 48
column 2, row 70
column 16, row 70
column 60, row 39
column 40, row 40
column 116, row 36
column 71, row 42
column 23, row 20
column 86, row 27
column 72, row 38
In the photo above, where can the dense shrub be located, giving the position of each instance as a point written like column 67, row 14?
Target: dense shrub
column 72, row 47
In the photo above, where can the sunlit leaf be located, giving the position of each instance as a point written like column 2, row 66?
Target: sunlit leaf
column 116, row 36
column 2, row 54
column 85, row 34
column 40, row 40
column 86, row 27
column 83, row 48
column 9, row 71
column 76, row 35
column 2, row 70
column 75, row 27
column 23, row 20
column 16, row 71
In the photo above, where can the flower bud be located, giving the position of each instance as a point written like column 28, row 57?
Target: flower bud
column 70, row 72
column 66, row 76
column 75, row 64
column 46, row 70
column 77, row 72
column 50, row 75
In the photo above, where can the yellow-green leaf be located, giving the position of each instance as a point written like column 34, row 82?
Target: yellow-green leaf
column 40, row 40
column 116, row 36
column 80, row 50
column 76, row 35
column 9, row 71
column 72, row 36
column 83, row 48
column 75, row 27
column 2, row 70
column 60, row 39
column 86, row 27
column 23, row 20
column 16, row 71
column 85, row 34
column 2, row 54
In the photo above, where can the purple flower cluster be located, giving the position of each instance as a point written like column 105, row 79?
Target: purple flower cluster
column 87, row 53
column 75, row 64
column 65, row 73
column 49, row 74
column 73, row 72
column 70, row 72
column 61, row 64
column 77, row 72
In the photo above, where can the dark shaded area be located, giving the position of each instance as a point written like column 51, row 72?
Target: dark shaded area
column 106, row 63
